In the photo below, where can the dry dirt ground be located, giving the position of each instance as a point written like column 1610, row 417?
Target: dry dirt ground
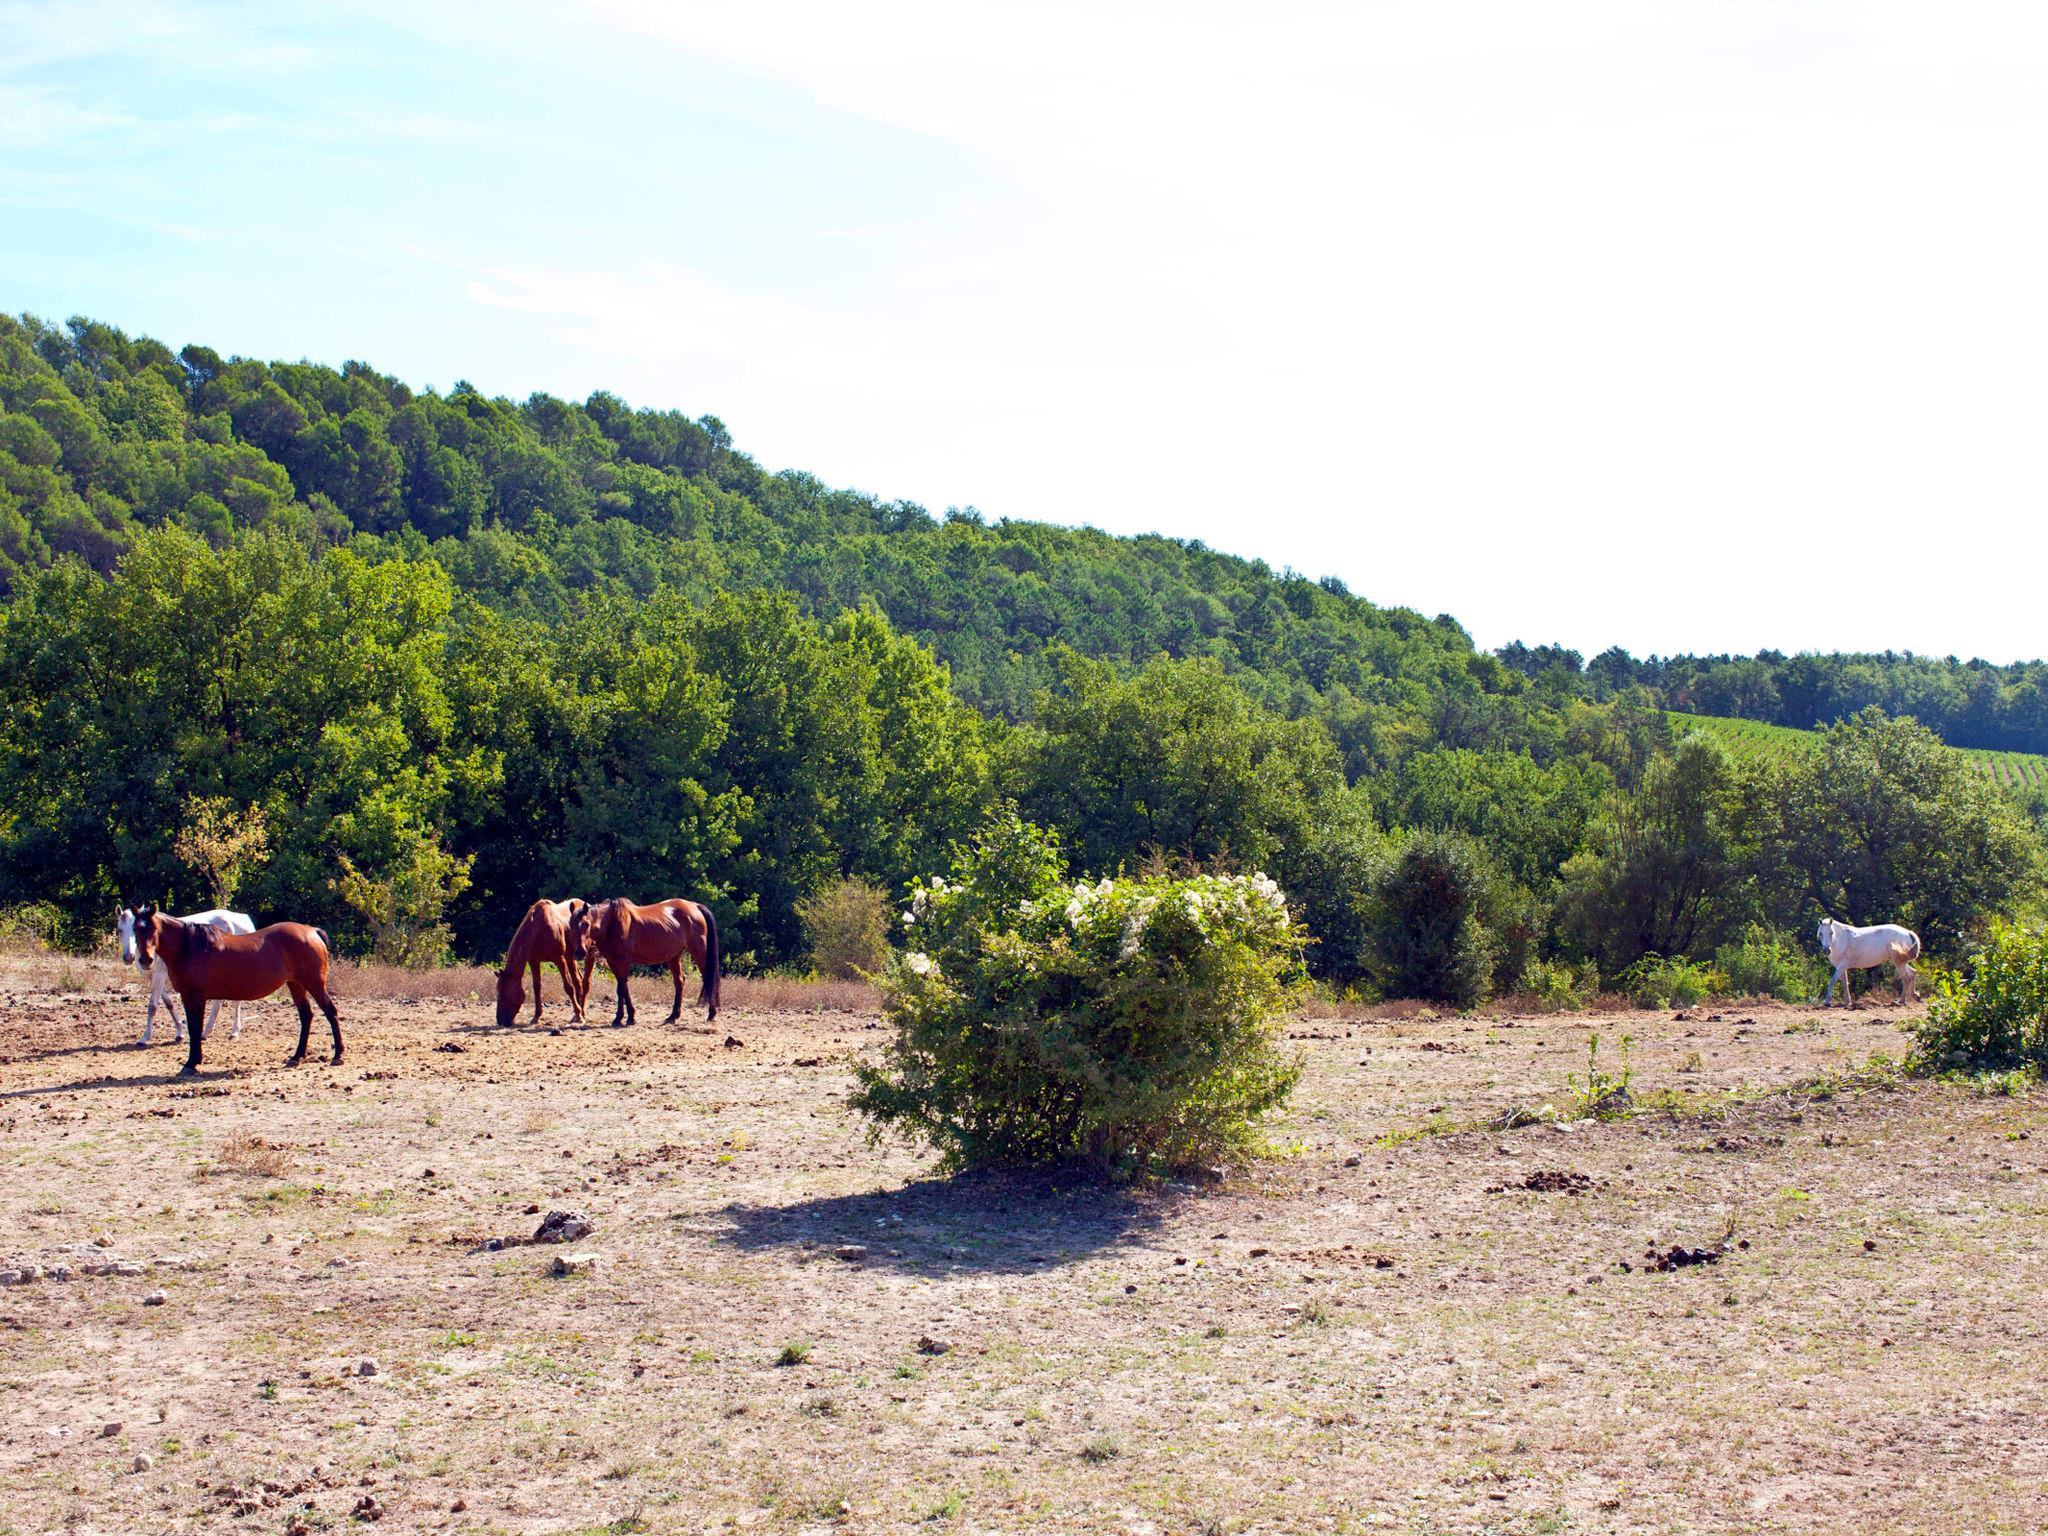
column 1395, row 1326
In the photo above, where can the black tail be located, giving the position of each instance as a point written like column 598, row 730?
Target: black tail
column 712, row 969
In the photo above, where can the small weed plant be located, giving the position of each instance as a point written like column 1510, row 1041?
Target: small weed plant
column 1601, row 1095
column 1134, row 1024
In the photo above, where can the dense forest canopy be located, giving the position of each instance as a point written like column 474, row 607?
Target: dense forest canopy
column 452, row 652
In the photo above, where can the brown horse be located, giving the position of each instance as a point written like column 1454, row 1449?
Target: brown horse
column 206, row 965
column 657, row 934
column 542, row 938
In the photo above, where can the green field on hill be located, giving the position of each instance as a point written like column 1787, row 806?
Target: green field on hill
column 1752, row 739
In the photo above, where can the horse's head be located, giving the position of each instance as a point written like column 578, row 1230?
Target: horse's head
column 511, row 995
column 139, row 935
column 1826, row 933
column 585, row 923
column 124, row 930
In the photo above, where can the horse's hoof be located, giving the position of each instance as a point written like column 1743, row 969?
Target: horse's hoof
column 293, row 1061
column 334, row 1060
column 188, row 1070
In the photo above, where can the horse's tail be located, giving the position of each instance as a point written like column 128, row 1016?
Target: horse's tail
column 325, row 942
column 1907, row 952
column 713, row 968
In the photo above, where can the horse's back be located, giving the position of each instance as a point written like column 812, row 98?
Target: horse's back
column 221, row 920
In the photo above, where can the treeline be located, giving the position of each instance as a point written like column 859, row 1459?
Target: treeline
column 1966, row 703
column 449, row 653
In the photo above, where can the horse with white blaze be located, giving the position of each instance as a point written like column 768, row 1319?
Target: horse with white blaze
column 1850, row 948
column 218, row 918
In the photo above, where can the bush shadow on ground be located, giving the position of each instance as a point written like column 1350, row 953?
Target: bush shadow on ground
column 987, row 1222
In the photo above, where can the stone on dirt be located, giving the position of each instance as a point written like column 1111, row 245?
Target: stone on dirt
column 156, row 1298
column 562, row 1227
column 144, row 1462
column 851, row 1253
column 575, row 1263
column 367, row 1368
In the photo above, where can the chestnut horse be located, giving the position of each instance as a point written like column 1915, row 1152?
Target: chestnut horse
column 206, row 964
column 542, row 938
column 661, row 933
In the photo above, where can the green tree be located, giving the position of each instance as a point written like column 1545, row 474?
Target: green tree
column 1671, row 868
column 1885, row 824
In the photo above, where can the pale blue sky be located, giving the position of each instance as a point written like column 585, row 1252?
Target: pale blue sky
column 1706, row 325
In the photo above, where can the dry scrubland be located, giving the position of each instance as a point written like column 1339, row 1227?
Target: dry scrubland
column 1383, row 1330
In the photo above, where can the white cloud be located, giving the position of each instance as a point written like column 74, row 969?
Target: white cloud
column 1553, row 316
column 39, row 117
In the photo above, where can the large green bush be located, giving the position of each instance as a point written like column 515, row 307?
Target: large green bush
column 1993, row 1013
column 1131, row 1023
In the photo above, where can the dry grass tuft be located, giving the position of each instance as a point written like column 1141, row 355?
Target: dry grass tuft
column 479, row 984
column 798, row 994
column 245, row 1152
column 391, row 983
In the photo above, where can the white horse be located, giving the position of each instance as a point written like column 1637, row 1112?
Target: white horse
column 1856, row 949
column 160, row 979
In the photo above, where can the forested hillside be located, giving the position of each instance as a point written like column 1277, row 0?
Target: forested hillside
column 1966, row 703
column 443, row 653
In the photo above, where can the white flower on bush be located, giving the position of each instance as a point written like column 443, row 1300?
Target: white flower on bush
column 1136, row 921
column 918, row 963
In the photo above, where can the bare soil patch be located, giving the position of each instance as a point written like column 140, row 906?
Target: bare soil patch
column 1401, row 1324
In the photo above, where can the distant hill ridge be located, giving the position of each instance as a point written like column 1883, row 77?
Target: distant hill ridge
column 530, row 505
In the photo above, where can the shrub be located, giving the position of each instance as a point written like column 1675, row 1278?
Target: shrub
column 1558, row 984
column 1129, row 1022
column 1993, row 1014
column 404, row 911
column 1766, row 964
column 1657, row 982
column 30, row 926
column 847, row 924
column 1427, row 936
column 223, row 842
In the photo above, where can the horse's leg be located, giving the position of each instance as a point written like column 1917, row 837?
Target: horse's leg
column 675, row 974
column 305, row 1022
column 622, row 998
column 149, row 1019
column 326, row 1001
column 195, row 1009
column 1907, row 977
column 212, row 1016
column 536, row 990
column 236, row 1032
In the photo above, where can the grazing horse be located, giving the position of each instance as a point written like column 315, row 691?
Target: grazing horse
column 1856, row 949
column 542, row 938
column 657, row 934
column 238, row 967
column 159, row 978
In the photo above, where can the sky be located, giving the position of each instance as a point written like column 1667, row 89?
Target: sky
column 1704, row 325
